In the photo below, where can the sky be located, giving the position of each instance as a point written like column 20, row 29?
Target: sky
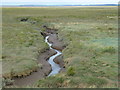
column 57, row 2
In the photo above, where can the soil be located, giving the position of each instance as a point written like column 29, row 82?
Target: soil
column 43, row 71
column 56, row 43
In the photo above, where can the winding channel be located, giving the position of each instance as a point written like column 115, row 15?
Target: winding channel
column 41, row 73
column 55, row 67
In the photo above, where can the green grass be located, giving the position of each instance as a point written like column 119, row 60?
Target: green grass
column 91, row 36
column 70, row 71
column 21, row 44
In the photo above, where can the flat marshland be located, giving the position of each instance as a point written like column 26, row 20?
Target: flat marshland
column 90, row 33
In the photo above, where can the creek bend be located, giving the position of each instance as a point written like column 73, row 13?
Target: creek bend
column 51, row 60
column 55, row 67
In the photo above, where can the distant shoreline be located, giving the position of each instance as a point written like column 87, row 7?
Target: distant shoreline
column 89, row 5
column 51, row 6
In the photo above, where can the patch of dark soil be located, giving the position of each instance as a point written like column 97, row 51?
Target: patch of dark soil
column 49, row 30
column 27, row 19
column 24, row 19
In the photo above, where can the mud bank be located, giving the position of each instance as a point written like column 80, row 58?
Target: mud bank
column 41, row 72
column 56, row 44
column 43, row 58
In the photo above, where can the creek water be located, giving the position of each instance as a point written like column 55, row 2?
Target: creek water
column 55, row 67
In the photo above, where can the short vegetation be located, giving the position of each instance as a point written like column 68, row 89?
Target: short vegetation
column 91, row 57
column 22, row 43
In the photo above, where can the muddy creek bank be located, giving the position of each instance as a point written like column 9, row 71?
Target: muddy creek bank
column 43, row 58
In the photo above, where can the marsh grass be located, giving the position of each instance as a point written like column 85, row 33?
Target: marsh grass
column 109, row 50
column 21, row 44
column 92, row 40
column 89, row 33
column 70, row 71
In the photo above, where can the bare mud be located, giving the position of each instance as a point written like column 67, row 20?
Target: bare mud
column 45, row 70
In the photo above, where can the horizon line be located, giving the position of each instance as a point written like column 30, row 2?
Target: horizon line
column 62, row 5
